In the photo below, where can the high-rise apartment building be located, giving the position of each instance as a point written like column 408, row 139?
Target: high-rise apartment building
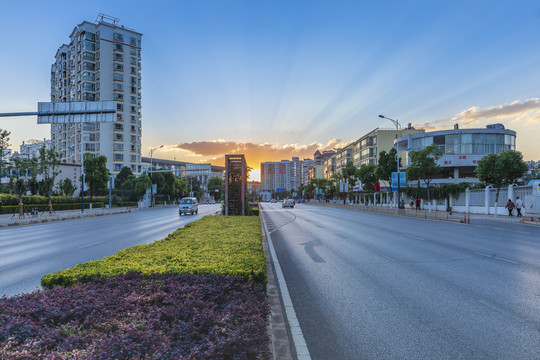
column 101, row 62
column 285, row 175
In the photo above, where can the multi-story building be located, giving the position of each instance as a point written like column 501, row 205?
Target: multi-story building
column 461, row 149
column 102, row 61
column 366, row 149
column 285, row 174
column 30, row 149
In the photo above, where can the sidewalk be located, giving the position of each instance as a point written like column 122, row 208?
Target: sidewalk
column 42, row 217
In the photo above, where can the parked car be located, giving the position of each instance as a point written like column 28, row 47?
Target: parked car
column 188, row 205
column 273, row 201
column 287, row 203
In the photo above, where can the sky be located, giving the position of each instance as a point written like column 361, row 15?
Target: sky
column 277, row 79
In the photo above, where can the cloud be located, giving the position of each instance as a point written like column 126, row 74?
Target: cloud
column 523, row 111
column 214, row 150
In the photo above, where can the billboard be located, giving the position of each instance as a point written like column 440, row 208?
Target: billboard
column 402, row 179
column 76, row 112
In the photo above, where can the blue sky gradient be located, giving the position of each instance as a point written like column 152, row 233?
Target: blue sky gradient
column 232, row 75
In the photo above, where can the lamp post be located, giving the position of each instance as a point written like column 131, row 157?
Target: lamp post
column 395, row 122
column 152, row 185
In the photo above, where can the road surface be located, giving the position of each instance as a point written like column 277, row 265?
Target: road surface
column 373, row 286
column 28, row 252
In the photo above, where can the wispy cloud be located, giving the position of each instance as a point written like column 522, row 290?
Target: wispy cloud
column 214, row 150
column 526, row 111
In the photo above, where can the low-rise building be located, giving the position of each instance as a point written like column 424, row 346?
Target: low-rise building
column 461, row 149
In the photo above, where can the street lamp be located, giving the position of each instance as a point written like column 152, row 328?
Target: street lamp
column 395, row 122
column 152, row 186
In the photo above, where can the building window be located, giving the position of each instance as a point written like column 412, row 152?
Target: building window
column 118, row 67
column 118, row 97
column 118, row 77
column 118, row 157
column 119, row 117
column 117, row 146
column 118, row 57
column 118, row 127
column 118, row 86
column 118, row 47
column 117, row 166
column 118, row 37
column 118, row 137
column 133, row 70
column 133, row 99
column 120, row 107
column 133, row 109
column 132, row 41
column 133, row 158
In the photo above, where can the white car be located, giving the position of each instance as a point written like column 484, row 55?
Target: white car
column 287, row 203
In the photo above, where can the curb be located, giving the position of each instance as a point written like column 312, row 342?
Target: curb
column 278, row 331
column 287, row 339
column 32, row 222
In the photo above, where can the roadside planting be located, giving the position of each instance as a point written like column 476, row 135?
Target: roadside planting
column 197, row 294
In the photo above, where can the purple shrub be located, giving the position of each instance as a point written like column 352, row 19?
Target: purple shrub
column 134, row 317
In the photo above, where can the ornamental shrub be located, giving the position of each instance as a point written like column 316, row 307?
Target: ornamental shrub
column 167, row 316
column 229, row 245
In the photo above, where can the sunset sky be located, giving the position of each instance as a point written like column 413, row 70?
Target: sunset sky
column 276, row 79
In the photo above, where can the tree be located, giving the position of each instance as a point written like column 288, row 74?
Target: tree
column 159, row 180
column 33, row 183
column 368, row 176
column 142, row 183
column 501, row 170
column 17, row 183
column 387, row 164
column 349, row 174
column 216, row 186
column 423, row 165
column 66, row 187
column 4, row 145
column 125, row 179
column 49, row 161
column 96, row 174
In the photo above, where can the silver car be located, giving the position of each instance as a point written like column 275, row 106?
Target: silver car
column 188, row 205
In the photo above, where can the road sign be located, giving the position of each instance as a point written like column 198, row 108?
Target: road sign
column 280, row 190
column 402, row 179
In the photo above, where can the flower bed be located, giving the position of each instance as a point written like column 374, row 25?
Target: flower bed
column 166, row 316
column 213, row 245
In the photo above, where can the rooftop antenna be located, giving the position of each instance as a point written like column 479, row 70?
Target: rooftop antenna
column 103, row 18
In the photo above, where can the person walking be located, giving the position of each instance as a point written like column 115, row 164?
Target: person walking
column 519, row 206
column 510, row 206
column 417, row 204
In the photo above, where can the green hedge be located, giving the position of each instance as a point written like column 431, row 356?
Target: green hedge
column 126, row 203
column 213, row 245
column 13, row 209
column 6, row 199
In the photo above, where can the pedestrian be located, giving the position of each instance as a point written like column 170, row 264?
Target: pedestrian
column 366, row 203
column 417, row 204
column 510, row 206
column 519, row 206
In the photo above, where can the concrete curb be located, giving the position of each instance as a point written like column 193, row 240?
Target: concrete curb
column 33, row 222
column 278, row 331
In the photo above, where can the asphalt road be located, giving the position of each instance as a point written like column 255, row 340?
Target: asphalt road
column 28, row 252
column 374, row 286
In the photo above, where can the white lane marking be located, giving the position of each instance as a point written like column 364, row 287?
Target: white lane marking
column 415, row 237
column 499, row 228
column 299, row 341
column 91, row 244
column 496, row 257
